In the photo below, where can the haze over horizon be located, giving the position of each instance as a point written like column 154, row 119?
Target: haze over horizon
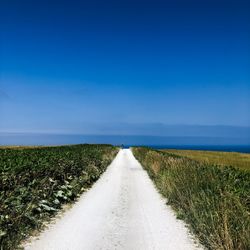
column 161, row 68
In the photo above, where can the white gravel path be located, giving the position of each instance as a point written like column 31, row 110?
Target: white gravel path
column 122, row 210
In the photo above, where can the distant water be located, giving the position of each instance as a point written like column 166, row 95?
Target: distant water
column 174, row 142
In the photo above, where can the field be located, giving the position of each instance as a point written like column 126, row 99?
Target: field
column 213, row 201
column 238, row 160
column 36, row 182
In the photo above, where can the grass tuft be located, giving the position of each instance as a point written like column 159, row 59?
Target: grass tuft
column 213, row 201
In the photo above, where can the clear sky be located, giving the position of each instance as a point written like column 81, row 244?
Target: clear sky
column 99, row 66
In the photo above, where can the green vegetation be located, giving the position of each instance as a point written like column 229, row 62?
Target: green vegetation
column 238, row 160
column 214, row 201
column 36, row 182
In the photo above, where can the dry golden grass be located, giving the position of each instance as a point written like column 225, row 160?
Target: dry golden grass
column 238, row 160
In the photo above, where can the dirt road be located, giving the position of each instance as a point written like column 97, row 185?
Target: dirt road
column 122, row 210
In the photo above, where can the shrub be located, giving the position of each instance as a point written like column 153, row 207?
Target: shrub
column 36, row 182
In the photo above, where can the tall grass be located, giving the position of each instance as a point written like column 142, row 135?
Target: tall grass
column 214, row 202
column 238, row 160
column 36, row 182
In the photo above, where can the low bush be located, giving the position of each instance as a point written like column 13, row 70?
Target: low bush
column 36, row 182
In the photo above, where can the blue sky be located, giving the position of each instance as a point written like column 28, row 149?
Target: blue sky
column 112, row 67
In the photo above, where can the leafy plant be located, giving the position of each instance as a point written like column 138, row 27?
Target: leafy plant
column 36, row 182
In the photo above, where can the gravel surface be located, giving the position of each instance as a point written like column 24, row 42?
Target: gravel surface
column 123, row 210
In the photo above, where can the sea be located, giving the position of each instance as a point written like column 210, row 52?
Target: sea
column 158, row 142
